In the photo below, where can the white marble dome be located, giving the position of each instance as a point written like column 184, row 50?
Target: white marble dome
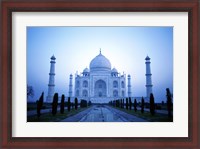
column 100, row 63
column 86, row 70
column 114, row 70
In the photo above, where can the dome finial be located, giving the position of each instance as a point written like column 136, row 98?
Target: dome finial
column 147, row 58
column 53, row 57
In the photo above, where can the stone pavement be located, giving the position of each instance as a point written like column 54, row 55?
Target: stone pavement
column 77, row 117
column 102, row 113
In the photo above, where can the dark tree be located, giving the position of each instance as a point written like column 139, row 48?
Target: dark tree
column 68, row 104
column 55, row 104
column 115, row 103
column 30, row 91
column 142, row 105
column 62, row 104
column 162, row 103
column 118, row 103
column 152, row 104
column 130, row 103
column 76, row 103
column 83, row 103
column 135, row 105
column 39, row 104
column 169, row 102
column 127, row 103
column 123, row 104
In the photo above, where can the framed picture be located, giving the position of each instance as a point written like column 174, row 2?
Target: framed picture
column 122, row 74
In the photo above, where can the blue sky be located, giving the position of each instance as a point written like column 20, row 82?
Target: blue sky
column 125, row 47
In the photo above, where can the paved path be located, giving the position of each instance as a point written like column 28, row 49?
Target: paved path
column 102, row 113
column 34, row 112
column 78, row 116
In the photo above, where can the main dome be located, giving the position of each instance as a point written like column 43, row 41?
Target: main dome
column 100, row 63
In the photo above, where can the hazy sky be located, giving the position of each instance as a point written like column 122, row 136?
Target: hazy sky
column 125, row 47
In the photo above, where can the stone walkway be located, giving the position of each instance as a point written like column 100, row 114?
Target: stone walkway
column 101, row 114
column 104, row 113
column 78, row 116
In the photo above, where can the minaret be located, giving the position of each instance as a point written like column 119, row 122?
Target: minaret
column 148, row 77
column 70, row 85
column 129, row 85
column 51, row 84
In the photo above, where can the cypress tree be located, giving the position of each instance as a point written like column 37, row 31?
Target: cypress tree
column 68, row 104
column 39, row 104
column 55, row 104
column 83, row 103
column 152, row 104
column 62, row 104
column 127, row 103
column 76, row 103
column 123, row 103
column 142, row 105
column 169, row 102
column 130, row 103
column 135, row 105
column 117, row 103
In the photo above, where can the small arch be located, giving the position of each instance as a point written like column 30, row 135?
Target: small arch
column 122, row 84
column 115, row 93
column 77, row 93
column 123, row 94
column 85, row 93
column 115, row 84
column 77, row 84
column 85, row 83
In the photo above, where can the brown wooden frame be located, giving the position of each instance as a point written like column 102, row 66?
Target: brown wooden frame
column 9, row 6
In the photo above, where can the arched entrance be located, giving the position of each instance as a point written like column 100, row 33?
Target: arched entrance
column 100, row 89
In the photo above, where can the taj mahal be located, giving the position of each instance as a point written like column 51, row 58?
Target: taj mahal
column 100, row 83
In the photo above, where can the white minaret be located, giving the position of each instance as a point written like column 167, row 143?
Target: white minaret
column 129, row 85
column 70, row 85
column 148, row 77
column 51, row 84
